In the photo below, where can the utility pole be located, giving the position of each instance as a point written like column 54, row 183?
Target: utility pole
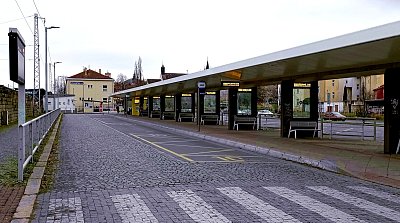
column 36, row 65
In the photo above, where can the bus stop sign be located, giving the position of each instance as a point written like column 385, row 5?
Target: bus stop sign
column 202, row 87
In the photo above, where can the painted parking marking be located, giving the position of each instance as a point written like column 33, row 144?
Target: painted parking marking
column 195, row 146
column 311, row 204
column 196, row 207
column 230, row 158
column 177, row 141
column 65, row 210
column 131, row 208
column 380, row 194
column 358, row 202
column 208, row 152
column 257, row 206
column 163, row 148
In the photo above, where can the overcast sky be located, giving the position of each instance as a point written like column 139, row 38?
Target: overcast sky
column 111, row 35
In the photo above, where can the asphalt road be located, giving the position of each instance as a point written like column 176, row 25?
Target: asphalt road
column 113, row 169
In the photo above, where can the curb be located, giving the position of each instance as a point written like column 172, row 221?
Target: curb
column 321, row 164
column 27, row 202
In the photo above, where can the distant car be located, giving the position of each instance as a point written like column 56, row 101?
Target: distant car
column 244, row 112
column 334, row 116
column 265, row 112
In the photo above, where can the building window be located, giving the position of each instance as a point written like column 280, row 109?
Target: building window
column 68, row 101
column 358, row 86
column 333, row 83
column 104, row 99
column 333, row 95
column 358, row 97
column 80, row 99
column 104, row 87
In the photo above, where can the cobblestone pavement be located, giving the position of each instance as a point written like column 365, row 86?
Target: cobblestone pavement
column 106, row 175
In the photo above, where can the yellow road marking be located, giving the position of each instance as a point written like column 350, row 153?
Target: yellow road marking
column 230, row 159
column 165, row 149
column 211, row 151
column 221, row 158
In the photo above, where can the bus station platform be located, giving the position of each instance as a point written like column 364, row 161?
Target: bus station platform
column 349, row 156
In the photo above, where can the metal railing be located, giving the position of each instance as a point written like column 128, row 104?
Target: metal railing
column 360, row 124
column 31, row 135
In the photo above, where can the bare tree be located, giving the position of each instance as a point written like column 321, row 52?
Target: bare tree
column 138, row 71
column 268, row 93
column 60, row 85
column 121, row 79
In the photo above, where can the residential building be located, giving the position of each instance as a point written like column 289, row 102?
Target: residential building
column 348, row 94
column 91, row 90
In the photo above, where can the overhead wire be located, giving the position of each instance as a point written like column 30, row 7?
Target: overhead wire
column 44, row 24
column 24, row 16
column 13, row 20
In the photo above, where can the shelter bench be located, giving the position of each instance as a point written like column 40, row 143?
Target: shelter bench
column 303, row 126
column 209, row 118
column 168, row 115
column 244, row 121
column 184, row 116
column 155, row 114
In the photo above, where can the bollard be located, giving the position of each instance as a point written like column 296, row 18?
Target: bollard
column 375, row 129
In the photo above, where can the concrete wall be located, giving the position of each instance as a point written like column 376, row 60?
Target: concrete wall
column 9, row 102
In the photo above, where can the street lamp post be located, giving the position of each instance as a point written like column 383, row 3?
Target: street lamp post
column 46, row 98
column 54, row 87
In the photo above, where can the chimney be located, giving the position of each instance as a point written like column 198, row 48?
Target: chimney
column 108, row 74
column 100, row 71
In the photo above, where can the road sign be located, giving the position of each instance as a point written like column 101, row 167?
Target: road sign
column 201, row 84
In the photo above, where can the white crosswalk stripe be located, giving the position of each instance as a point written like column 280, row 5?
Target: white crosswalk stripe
column 67, row 210
column 358, row 202
column 256, row 205
column 132, row 208
column 324, row 210
column 196, row 207
column 380, row 194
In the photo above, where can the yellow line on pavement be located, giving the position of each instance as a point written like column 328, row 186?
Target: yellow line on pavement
column 221, row 158
column 211, row 151
column 165, row 149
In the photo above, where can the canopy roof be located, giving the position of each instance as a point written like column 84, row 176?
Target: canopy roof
column 365, row 52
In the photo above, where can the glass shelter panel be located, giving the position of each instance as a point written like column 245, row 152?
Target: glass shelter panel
column 210, row 102
column 186, row 103
column 156, row 104
column 244, row 102
column 301, row 100
column 169, row 103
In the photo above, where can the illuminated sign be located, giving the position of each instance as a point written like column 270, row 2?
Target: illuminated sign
column 186, row 95
column 245, row 90
column 230, row 84
column 169, row 96
column 210, row 92
column 233, row 74
column 156, row 97
column 306, row 85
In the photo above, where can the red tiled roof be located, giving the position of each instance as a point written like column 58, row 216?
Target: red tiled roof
column 90, row 74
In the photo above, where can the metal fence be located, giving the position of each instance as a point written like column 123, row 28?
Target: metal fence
column 355, row 127
column 31, row 135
